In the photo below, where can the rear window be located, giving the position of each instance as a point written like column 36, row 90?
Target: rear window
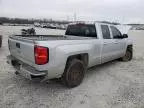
column 83, row 30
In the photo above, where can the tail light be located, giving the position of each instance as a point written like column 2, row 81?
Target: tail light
column 41, row 55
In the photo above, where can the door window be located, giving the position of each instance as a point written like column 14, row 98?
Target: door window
column 105, row 32
column 115, row 31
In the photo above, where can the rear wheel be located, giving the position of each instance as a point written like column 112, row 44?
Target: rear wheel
column 74, row 73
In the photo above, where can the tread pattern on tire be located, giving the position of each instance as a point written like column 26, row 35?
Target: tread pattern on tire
column 69, row 64
column 130, row 50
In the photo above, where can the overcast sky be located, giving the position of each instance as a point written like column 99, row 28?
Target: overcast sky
column 125, row 11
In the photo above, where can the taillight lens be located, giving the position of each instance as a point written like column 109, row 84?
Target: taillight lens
column 41, row 55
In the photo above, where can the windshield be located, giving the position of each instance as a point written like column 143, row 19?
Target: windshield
column 84, row 30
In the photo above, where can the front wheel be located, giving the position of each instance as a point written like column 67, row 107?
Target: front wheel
column 74, row 73
column 128, row 55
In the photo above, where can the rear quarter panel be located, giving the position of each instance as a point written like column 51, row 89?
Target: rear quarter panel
column 59, row 51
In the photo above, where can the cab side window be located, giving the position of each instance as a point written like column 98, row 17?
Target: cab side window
column 115, row 31
column 105, row 32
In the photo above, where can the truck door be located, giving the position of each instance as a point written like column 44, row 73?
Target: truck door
column 119, row 43
column 108, row 49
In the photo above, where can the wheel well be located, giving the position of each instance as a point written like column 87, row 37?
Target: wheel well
column 130, row 47
column 82, row 57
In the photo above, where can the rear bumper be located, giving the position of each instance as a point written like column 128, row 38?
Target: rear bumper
column 26, row 70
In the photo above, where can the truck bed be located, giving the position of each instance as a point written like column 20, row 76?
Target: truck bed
column 46, row 37
column 39, row 37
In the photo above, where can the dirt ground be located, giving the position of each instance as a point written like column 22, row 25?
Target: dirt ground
column 112, row 85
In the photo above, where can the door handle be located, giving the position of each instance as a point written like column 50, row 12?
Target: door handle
column 115, row 42
column 105, row 43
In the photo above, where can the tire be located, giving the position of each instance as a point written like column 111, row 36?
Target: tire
column 0, row 41
column 128, row 56
column 74, row 73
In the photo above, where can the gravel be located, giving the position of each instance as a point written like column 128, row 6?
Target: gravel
column 111, row 85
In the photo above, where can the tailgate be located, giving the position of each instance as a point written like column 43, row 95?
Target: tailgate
column 22, row 50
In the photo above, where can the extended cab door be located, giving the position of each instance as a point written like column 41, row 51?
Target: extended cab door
column 108, row 49
column 119, row 43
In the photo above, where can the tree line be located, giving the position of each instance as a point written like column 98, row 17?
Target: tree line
column 29, row 21
column 32, row 21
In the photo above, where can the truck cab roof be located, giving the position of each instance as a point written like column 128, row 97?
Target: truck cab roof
column 91, row 22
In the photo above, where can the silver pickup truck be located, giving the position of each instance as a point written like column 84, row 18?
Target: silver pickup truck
column 68, row 56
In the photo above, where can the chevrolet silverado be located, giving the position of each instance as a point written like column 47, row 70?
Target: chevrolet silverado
column 68, row 56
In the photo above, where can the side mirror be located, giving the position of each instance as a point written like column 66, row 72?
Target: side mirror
column 121, row 36
column 118, row 37
column 125, row 36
